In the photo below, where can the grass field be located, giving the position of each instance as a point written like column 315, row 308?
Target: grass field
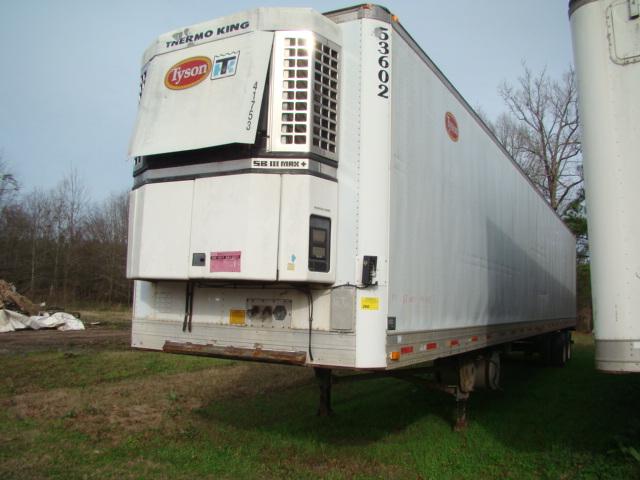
column 113, row 413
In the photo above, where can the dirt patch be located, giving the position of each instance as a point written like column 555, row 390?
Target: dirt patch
column 110, row 412
column 107, row 318
column 25, row 341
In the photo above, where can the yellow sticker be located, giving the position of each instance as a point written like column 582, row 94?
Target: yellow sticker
column 369, row 303
column 236, row 317
column 291, row 266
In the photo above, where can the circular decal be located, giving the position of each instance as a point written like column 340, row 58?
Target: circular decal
column 451, row 125
column 187, row 73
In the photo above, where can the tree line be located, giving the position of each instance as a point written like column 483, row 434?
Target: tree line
column 60, row 247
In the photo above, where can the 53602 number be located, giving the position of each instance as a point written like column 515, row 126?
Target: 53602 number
column 383, row 50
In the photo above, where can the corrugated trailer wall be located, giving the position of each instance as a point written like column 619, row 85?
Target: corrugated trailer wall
column 472, row 243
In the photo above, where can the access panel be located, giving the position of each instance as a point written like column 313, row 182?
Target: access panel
column 234, row 223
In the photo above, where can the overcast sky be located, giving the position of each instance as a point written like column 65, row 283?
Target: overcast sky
column 69, row 75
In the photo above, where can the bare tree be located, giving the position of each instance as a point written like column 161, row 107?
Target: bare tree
column 8, row 184
column 540, row 130
column 71, row 201
column 107, row 236
column 37, row 209
column 14, row 244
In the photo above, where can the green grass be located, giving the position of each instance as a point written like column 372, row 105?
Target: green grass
column 82, row 368
column 570, row 423
column 117, row 319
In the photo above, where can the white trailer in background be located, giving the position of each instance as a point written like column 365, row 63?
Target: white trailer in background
column 606, row 42
column 311, row 189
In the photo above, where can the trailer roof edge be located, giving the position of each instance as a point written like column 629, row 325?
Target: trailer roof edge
column 378, row 12
column 576, row 4
column 362, row 10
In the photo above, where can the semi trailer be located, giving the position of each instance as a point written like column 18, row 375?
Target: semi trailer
column 606, row 43
column 310, row 189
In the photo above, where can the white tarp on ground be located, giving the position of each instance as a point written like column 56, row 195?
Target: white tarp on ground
column 11, row 321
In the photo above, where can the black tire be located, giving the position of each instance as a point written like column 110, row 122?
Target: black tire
column 545, row 347
column 558, row 349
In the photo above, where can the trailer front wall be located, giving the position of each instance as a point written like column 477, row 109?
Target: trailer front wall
column 471, row 242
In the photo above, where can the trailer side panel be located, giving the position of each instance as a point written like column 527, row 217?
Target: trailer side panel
column 472, row 244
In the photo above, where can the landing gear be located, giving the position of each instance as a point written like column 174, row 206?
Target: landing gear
column 461, row 414
column 473, row 373
column 466, row 375
column 323, row 377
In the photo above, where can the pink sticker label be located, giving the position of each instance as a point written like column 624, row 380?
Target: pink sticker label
column 225, row 261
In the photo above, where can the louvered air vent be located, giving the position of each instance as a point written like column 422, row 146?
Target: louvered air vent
column 325, row 97
column 304, row 94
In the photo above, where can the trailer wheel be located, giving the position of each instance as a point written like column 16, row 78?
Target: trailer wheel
column 545, row 347
column 488, row 371
column 558, row 349
column 493, row 370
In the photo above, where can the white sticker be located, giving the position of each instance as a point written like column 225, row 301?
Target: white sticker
column 278, row 163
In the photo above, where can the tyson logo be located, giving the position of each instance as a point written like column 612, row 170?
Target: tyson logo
column 187, row 73
column 451, row 125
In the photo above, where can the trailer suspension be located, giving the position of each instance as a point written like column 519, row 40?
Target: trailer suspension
column 457, row 378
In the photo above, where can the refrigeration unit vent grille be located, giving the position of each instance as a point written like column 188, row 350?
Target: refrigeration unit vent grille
column 295, row 92
column 325, row 97
column 305, row 88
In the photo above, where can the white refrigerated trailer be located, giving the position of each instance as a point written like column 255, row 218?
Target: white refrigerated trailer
column 311, row 189
column 606, row 42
